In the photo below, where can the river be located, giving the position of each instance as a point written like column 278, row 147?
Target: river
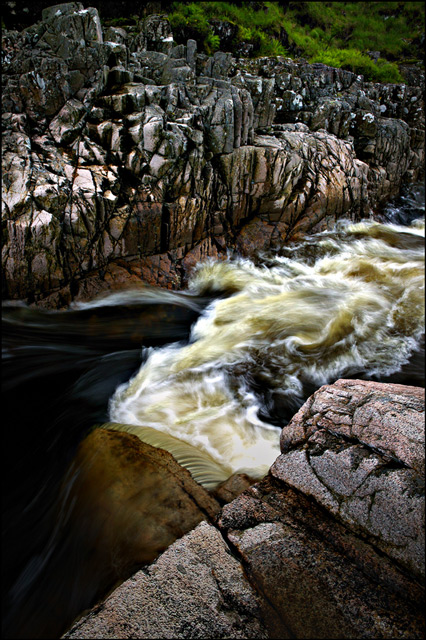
column 210, row 374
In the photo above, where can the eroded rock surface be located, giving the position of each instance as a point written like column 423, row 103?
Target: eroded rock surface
column 196, row 589
column 357, row 448
column 317, row 579
column 334, row 536
column 123, row 150
column 328, row 545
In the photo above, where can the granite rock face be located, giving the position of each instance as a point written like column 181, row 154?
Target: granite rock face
column 128, row 157
column 196, row 589
column 334, row 536
column 328, row 545
column 356, row 448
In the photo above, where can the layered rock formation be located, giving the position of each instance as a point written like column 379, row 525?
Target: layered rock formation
column 328, row 545
column 127, row 157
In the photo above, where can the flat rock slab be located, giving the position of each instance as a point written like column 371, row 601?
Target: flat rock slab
column 196, row 589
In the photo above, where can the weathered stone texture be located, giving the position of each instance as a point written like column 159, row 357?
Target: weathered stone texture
column 320, row 580
column 140, row 148
column 196, row 589
column 357, row 448
column 328, row 545
column 334, row 536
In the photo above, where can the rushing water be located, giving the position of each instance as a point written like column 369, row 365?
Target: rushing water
column 211, row 374
column 344, row 303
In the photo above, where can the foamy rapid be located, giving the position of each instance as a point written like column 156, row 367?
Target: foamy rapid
column 341, row 303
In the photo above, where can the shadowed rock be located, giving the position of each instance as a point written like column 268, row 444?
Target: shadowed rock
column 121, row 504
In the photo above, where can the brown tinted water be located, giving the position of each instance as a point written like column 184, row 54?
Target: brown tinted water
column 208, row 375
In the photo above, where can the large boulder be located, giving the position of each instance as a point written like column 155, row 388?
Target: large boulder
column 357, row 448
column 328, row 545
column 334, row 536
column 196, row 589
column 121, row 504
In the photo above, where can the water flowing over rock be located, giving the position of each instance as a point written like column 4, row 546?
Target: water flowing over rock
column 127, row 156
column 328, row 545
column 121, row 504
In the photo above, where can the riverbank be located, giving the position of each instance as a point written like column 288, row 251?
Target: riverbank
column 129, row 161
column 328, row 545
column 148, row 156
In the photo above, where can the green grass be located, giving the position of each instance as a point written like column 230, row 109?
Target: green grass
column 121, row 22
column 354, row 60
column 335, row 33
column 259, row 28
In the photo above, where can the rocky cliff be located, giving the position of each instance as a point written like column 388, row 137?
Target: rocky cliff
column 128, row 158
column 330, row 544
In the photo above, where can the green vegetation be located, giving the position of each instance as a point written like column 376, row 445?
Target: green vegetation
column 258, row 27
column 335, row 33
column 121, row 22
column 192, row 21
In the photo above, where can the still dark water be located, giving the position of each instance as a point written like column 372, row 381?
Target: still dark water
column 219, row 368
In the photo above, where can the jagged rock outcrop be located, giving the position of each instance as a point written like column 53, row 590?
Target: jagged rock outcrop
column 328, row 545
column 123, row 151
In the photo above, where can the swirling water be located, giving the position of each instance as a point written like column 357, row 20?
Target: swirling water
column 349, row 302
column 211, row 374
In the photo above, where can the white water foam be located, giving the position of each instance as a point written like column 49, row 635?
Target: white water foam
column 356, row 305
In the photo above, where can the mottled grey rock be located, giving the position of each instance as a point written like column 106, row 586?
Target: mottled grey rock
column 203, row 152
column 66, row 126
column 196, row 589
column 385, row 417
column 357, row 448
column 116, row 34
column 318, row 580
column 75, row 22
column 275, row 178
column 218, row 65
column 333, row 536
column 154, row 34
column 61, row 9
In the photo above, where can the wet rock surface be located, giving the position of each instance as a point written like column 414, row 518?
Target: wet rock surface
column 124, row 151
column 121, row 504
column 327, row 546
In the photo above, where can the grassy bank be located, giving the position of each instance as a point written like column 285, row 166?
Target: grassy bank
column 335, row 33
